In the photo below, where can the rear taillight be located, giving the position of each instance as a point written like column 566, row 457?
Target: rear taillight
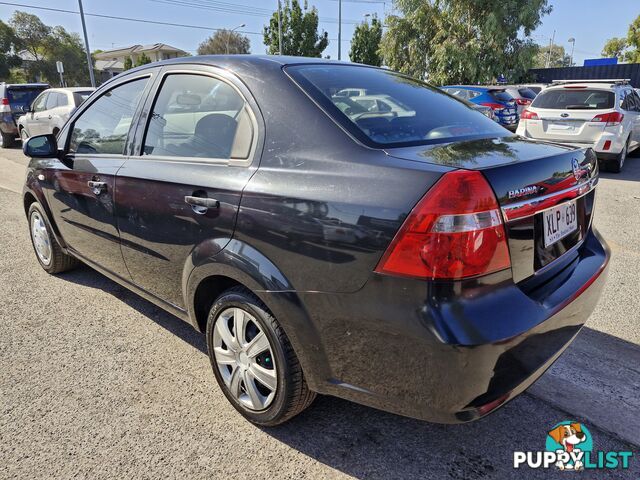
column 4, row 105
column 455, row 231
column 5, row 101
column 523, row 101
column 493, row 106
column 528, row 115
column 612, row 118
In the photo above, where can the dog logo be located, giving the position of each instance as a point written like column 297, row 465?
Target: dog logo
column 569, row 436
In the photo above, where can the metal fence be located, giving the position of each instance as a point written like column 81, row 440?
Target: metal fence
column 625, row 70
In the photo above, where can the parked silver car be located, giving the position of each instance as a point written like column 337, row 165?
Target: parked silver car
column 50, row 110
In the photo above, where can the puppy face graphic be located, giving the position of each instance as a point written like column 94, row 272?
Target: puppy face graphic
column 568, row 435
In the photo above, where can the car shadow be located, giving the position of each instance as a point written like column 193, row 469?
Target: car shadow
column 366, row 443
column 630, row 170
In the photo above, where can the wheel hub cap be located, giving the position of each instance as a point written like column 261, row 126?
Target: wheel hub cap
column 40, row 237
column 244, row 358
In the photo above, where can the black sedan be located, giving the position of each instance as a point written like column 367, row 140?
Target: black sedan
column 401, row 250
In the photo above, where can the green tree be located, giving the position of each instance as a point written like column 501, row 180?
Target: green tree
column 67, row 48
column 365, row 45
column 8, row 47
column 632, row 55
column 462, row 41
column 225, row 41
column 32, row 36
column 614, row 47
column 558, row 58
column 128, row 63
column 143, row 59
column 300, row 35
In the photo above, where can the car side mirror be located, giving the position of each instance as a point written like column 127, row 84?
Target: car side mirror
column 41, row 146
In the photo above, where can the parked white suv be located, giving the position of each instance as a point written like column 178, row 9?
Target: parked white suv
column 603, row 114
column 50, row 110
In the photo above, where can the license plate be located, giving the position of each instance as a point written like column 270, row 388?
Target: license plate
column 566, row 127
column 559, row 222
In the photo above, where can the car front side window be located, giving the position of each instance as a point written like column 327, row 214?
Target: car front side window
column 198, row 116
column 40, row 102
column 103, row 127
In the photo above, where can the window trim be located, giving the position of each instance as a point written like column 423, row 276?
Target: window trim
column 107, row 87
column 144, row 125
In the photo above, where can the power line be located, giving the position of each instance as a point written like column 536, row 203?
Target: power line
column 128, row 19
column 240, row 9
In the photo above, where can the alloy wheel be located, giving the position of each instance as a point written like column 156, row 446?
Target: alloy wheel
column 244, row 357
column 40, row 236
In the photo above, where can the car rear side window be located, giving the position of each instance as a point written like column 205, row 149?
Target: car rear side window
column 414, row 113
column 103, row 127
column 198, row 116
column 574, row 99
column 527, row 93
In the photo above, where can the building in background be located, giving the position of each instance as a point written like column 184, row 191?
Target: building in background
column 110, row 63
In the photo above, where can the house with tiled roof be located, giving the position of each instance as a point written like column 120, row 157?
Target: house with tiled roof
column 111, row 62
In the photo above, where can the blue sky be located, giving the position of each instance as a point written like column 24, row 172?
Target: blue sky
column 590, row 22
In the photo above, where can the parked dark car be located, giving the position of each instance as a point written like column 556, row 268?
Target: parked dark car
column 410, row 263
column 497, row 98
column 15, row 99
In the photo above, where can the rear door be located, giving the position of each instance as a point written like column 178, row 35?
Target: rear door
column 566, row 114
column 195, row 149
column 82, row 187
column 631, row 109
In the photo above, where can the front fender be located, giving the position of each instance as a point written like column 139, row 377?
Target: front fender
column 32, row 187
column 249, row 267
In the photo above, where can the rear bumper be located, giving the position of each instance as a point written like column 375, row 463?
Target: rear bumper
column 449, row 353
column 616, row 141
column 8, row 125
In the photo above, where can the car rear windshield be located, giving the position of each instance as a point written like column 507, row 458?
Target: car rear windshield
column 527, row 93
column 22, row 97
column 400, row 111
column 501, row 95
column 573, row 99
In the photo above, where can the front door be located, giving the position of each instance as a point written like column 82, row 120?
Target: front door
column 35, row 119
column 82, row 187
column 195, row 144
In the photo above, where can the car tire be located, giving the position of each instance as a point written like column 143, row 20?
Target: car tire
column 617, row 163
column 7, row 140
column 235, row 364
column 49, row 253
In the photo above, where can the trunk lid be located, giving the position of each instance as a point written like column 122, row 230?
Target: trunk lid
column 528, row 178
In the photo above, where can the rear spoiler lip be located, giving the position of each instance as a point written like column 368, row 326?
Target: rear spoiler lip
column 523, row 209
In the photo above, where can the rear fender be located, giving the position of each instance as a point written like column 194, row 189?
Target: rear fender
column 32, row 188
column 249, row 267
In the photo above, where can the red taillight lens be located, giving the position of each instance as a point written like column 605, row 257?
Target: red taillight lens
column 455, row 231
column 494, row 106
column 523, row 101
column 528, row 115
column 612, row 118
column 5, row 101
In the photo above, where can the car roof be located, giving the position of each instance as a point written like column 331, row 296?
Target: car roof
column 9, row 85
column 587, row 84
column 73, row 89
column 476, row 87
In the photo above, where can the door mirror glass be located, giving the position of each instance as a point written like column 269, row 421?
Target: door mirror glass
column 41, row 146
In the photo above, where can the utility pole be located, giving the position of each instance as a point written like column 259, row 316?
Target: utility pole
column 572, row 41
column 279, row 30
column 339, row 29
column 86, row 46
column 551, row 40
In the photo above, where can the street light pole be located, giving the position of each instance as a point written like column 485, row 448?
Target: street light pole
column 339, row 29
column 86, row 46
column 572, row 41
column 229, row 35
column 279, row 30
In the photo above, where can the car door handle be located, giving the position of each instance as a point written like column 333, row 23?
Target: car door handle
column 201, row 204
column 97, row 187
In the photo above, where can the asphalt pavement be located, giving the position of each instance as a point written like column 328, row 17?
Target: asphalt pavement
column 97, row 382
